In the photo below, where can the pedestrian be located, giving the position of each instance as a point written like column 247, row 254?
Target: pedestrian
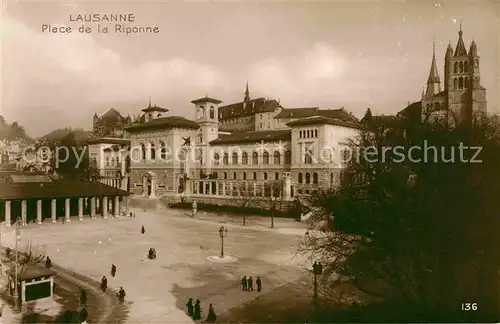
column 104, row 283
column 113, row 270
column 154, row 253
column 83, row 298
column 7, row 252
column 197, row 310
column 84, row 314
column 259, row 284
column 190, row 307
column 130, row 214
column 150, row 254
column 244, row 283
column 143, row 230
column 121, row 295
column 211, row 314
column 250, row 284
column 48, row 263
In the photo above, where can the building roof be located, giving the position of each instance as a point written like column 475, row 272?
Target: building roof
column 164, row 122
column 248, row 108
column 321, row 120
column 412, row 112
column 113, row 148
column 433, row 73
column 253, row 137
column 154, row 108
column 108, row 140
column 341, row 114
column 31, row 271
column 297, row 112
column 206, row 99
column 57, row 189
column 460, row 49
column 111, row 114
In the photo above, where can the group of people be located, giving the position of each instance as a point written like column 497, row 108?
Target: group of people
column 247, row 284
column 194, row 310
column 152, row 254
column 104, row 285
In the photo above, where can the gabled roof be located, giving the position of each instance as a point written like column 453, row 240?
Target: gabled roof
column 249, row 108
column 206, row 99
column 297, row 112
column 112, row 113
column 341, row 114
column 154, row 108
column 254, row 137
column 321, row 120
column 164, row 122
column 57, row 189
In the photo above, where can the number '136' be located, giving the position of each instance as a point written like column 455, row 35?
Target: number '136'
column 469, row 306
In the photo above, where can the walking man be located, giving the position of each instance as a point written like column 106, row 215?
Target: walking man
column 121, row 295
column 113, row 270
column 197, row 310
column 259, row 284
column 211, row 314
column 48, row 263
column 190, row 307
column 143, row 230
column 250, row 284
column 244, row 283
column 104, row 283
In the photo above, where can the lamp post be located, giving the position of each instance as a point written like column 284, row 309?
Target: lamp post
column 222, row 234
column 17, row 309
column 317, row 270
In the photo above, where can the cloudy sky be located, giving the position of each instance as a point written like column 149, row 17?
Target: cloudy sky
column 326, row 54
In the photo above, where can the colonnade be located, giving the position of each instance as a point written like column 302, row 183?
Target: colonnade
column 92, row 202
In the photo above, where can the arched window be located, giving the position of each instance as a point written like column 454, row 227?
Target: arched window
column 455, row 83
column 436, row 105
column 265, row 175
column 244, row 158
column 107, row 161
column 234, row 175
column 466, row 66
column 315, row 178
column 163, row 151
column 466, row 83
column 234, row 160
column 461, row 67
column 308, row 178
column 455, row 68
column 255, row 175
column 244, row 175
column 308, row 134
column 277, row 157
column 225, row 159
column 300, row 178
column 315, row 133
column 460, row 83
column 143, row 149
column 200, row 138
column 300, row 134
column 216, row 159
column 117, row 161
column 276, row 176
column 265, row 158
column 288, row 157
column 476, row 82
column 255, row 158
column 477, row 63
column 212, row 112
column 152, row 151
column 225, row 175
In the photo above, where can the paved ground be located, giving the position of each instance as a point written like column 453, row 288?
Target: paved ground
column 158, row 289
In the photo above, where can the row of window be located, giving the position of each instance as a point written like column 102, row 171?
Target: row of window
column 265, row 176
column 463, row 82
column 211, row 111
column 309, row 133
column 463, row 66
column 112, row 162
column 255, row 158
column 235, row 121
column 308, row 178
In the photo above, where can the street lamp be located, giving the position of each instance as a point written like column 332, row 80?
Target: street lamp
column 17, row 309
column 222, row 234
column 317, row 270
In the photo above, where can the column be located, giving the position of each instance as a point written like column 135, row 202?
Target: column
column 255, row 189
column 24, row 212
column 223, row 188
column 92, row 208
column 80, row 209
column 210, row 187
column 230, row 188
column 7, row 213
column 39, row 211
column 53, row 210
column 246, row 189
column 116, row 209
column 104, row 207
column 287, row 194
column 67, row 209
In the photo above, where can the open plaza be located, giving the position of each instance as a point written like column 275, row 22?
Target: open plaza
column 186, row 264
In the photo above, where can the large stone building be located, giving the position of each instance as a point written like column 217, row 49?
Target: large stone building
column 253, row 148
column 110, row 124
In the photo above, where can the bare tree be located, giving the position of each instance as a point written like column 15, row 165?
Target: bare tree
column 245, row 197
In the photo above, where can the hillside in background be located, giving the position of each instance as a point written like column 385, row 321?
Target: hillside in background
column 57, row 135
column 12, row 131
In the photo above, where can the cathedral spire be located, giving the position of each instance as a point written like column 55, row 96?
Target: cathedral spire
column 149, row 103
column 247, row 93
column 433, row 81
column 460, row 49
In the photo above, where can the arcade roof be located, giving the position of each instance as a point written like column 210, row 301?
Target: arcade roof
column 164, row 122
column 253, row 137
column 57, row 189
column 28, row 272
